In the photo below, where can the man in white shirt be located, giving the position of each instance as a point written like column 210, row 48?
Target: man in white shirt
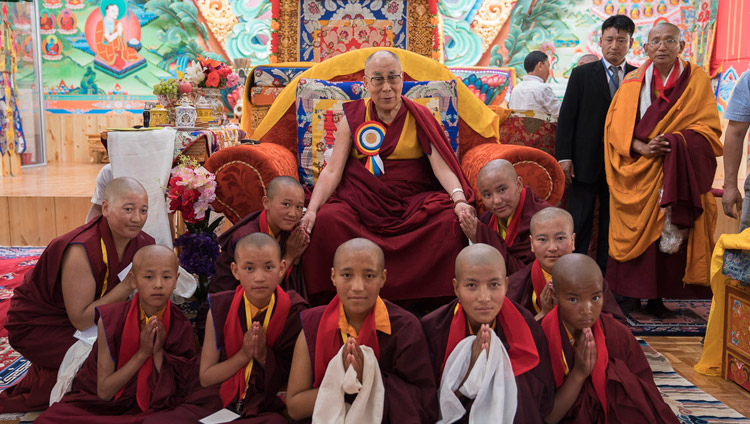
column 532, row 93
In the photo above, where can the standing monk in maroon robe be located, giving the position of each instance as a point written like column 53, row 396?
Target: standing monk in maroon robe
column 144, row 358
column 250, row 337
column 552, row 237
column 660, row 160
column 358, row 316
column 76, row 273
column 482, row 306
column 510, row 206
column 405, row 194
column 601, row 373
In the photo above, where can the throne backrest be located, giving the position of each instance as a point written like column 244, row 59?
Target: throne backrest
column 319, row 106
column 315, row 30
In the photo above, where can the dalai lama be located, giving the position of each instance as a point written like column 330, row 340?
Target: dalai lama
column 392, row 178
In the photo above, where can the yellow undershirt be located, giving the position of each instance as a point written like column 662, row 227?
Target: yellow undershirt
column 382, row 320
column 251, row 311
column 548, row 278
column 143, row 318
column 408, row 146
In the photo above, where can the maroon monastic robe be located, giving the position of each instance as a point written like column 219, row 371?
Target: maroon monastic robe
column 38, row 325
column 516, row 252
column 404, row 210
column 631, row 394
column 521, row 287
column 688, row 172
column 168, row 387
column 536, row 387
column 410, row 390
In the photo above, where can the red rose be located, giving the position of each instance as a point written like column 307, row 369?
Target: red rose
column 225, row 71
column 213, row 79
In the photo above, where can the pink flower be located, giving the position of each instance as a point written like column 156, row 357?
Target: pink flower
column 232, row 80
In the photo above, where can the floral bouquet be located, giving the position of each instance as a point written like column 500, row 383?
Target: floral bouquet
column 191, row 190
column 209, row 73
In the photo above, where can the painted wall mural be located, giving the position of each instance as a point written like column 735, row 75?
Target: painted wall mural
column 102, row 55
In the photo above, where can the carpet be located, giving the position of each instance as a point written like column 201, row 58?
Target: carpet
column 691, row 319
column 691, row 404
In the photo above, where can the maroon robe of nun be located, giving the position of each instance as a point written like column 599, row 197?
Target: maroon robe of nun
column 404, row 210
column 261, row 403
column 410, row 390
column 38, row 325
column 521, row 286
column 536, row 386
column 516, row 247
column 688, row 172
column 621, row 379
column 148, row 391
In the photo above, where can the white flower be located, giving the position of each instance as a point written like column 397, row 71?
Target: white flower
column 194, row 73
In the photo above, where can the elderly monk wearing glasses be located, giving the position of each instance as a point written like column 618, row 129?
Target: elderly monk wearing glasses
column 661, row 139
column 394, row 179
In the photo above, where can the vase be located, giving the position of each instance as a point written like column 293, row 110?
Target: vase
column 213, row 96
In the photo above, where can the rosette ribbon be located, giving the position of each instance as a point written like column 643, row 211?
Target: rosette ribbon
column 368, row 138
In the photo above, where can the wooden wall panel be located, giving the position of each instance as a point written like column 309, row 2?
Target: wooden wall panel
column 32, row 220
column 70, row 213
column 4, row 222
column 66, row 134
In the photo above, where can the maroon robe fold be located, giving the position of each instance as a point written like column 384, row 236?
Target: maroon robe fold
column 403, row 210
column 688, row 172
column 632, row 395
column 410, row 390
column 519, row 253
column 38, row 324
column 169, row 387
column 536, row 387
column 520, row 289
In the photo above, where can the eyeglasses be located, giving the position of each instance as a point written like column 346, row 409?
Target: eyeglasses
column 378, row 81
column 668, row 42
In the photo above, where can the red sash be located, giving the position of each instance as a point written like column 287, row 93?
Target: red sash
column 658, row 84
column 538, row 281
column 515, row 222
column 551, row 327
column 131, row 342
column 233, row 337
column 328, row 340
column 522, row 348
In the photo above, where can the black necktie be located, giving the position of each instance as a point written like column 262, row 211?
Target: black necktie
column 614, row 82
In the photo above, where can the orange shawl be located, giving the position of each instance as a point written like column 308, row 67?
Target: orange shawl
column 637, row 219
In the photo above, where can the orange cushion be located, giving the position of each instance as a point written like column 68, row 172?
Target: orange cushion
column 539, row 170
column 243, row 173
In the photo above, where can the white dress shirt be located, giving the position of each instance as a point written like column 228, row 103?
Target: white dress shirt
column 533, row 94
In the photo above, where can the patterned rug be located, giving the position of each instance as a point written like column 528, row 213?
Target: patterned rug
column 691, row 404
column 691, row 319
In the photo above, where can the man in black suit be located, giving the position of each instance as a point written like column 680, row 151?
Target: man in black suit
column 579, row 145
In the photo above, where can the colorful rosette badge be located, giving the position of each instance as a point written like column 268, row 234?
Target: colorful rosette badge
column 368, row 138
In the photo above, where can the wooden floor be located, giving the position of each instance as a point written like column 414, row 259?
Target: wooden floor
column 683, row 353
column 45, row 202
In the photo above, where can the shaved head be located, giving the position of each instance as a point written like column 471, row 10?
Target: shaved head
column 497, row 165
column 258, row 241
column 382, row 54
column 574, row 268
column 587, row 58
column 669, row 27
column 360, row 245
column 154, row 251
column 123, row 185
column 282, row 181
column 548, row 214
column 478, row 254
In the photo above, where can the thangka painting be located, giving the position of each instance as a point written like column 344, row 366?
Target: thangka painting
column 102, row 55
